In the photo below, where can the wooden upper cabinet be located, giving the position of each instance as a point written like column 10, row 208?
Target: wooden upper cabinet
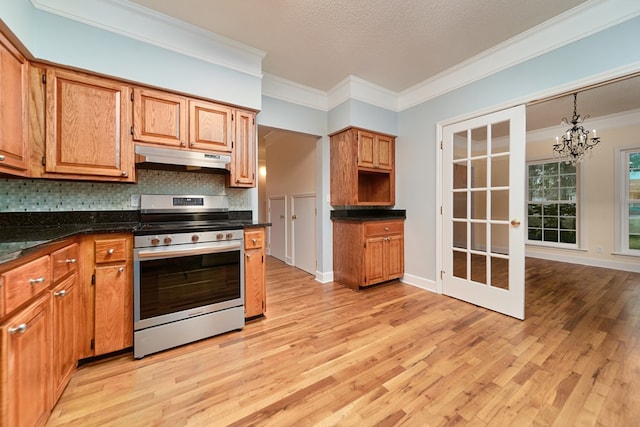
column 159, row 118
column 243, row 165
column 362, row 168
column 210, row 126
column 88, row 127
column 14, row 95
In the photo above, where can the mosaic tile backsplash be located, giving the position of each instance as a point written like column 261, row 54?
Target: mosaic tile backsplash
column 41, row 195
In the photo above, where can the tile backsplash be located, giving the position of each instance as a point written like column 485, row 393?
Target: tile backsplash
column 41, row 195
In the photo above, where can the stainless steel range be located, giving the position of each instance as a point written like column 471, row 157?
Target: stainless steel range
column 188, row 272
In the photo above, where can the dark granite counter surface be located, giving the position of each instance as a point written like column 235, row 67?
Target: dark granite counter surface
column 367, row 214
column 24, row 232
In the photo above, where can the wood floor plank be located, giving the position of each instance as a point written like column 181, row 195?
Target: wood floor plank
column 389, row 355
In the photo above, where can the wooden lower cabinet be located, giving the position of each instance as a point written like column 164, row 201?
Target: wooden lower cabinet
column 25, row 373
column 64, row 355
column 254, row 272
column 367, row 252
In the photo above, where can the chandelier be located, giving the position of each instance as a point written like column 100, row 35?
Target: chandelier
column 575, row 142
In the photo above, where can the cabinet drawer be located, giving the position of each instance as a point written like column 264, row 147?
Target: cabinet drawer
column 383, row 227
column 25, row 282
column 253, row 239
column 110, row 250
column 64, row 262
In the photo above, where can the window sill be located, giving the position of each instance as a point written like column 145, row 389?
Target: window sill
column 564, row 248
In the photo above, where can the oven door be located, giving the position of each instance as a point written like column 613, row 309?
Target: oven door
column 174, row 283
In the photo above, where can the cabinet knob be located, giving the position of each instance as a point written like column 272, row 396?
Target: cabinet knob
column 70, row 260
column 110, row 251
column 1, row 158
column 294, row 217
column 248, row 256
column 36, row 281
column 121, row 269
column 254, row 241
column 20, row 329
column 124, row 173
column 386, row 229
column 60, row 294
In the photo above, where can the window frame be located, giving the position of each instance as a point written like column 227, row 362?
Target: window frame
column 622, row 201
column 580, row 220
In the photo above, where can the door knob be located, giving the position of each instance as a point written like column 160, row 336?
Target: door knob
column 515, row 222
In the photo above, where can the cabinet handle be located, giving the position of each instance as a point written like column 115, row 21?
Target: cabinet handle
column 1, row 158
column 248, row 256
column 121, row 269
column 182, row 144
column 36, row 281
column 254, row 241
column 70, row 260
column 21, row 328
column 386, row 229
column 193, row 144
column 123, row 173
column 60, row 294
column 110, row 251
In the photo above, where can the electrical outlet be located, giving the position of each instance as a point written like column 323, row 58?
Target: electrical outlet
column 135, row 200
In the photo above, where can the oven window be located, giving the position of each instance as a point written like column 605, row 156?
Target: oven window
column 174, row 284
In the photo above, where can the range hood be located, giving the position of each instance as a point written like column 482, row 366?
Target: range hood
column 190, row 159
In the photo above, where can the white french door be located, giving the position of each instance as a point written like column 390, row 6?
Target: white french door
column 483, row 168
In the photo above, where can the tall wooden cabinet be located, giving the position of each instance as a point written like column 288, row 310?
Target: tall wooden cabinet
column 14, row 97
column 367, row 252
column 362, row 168
column 255, row 297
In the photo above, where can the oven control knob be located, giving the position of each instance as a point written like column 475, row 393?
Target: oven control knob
column 219, row 236
column 155, row 241
column 195, row 238
column 167, row 240
column 229, row 236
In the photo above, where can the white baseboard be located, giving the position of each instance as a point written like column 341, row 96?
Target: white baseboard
column 419, row 282
column 324, row 277
column 288, row 260
column 631, row 265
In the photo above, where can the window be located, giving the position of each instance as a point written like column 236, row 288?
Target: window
column 629, row 201
column 552, row 203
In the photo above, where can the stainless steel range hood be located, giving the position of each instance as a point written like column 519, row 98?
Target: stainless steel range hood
column 190, row 159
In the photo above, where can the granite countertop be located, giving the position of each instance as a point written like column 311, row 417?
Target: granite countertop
column 367, row 214
column 24, row 232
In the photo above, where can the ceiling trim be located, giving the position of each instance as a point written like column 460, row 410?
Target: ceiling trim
column 139, row 23
column 354, row 87
column 296, row 93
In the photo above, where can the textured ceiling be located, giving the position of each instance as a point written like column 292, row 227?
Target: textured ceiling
column 395, row 44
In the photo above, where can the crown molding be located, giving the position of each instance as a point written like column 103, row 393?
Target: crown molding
column 561, row 30
column 354, row 87
column 612, row 121
column 139, row 23
column 296, row 93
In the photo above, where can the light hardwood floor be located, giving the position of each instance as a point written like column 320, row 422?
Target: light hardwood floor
column 390, row 355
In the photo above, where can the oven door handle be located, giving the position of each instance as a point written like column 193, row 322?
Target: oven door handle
column 170, row 252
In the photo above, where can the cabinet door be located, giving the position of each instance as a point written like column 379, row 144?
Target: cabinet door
column 394, row 257
column 64, row 357
column 13, row 110
column 366, row 149
column 210, row 126
column 159, row 118
column 26, row 367
column 243, row 166
column 254, row 271
column 88, row 126
column 113, row 308
column 373, row 260
column 384, row 152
